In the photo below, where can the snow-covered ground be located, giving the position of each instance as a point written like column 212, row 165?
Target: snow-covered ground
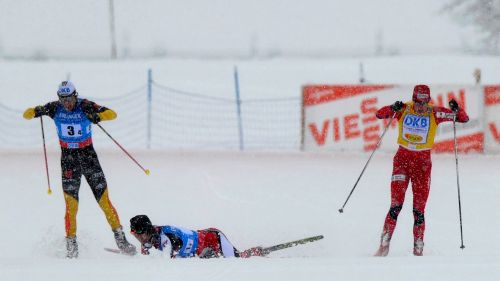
column 256, row 199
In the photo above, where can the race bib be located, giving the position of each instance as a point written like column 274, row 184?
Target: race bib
column 189, row 246
column 71, row 130
column 416, row 128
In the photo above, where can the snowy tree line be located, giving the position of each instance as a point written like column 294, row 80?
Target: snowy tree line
column 484, row 15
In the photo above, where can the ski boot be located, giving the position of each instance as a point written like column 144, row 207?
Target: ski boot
column 208, row 253
column 122, row 243
column 385, row 242
column 252, row 252
column 418, row 247
column 71, row 247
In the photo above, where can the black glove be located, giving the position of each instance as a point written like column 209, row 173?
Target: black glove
column 94, row 117
column 397, row 106
column 453, row 105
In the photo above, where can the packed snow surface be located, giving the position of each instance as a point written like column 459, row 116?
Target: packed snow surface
column 256, row 199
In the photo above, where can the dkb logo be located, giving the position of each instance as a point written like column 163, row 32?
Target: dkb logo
column 418, row 122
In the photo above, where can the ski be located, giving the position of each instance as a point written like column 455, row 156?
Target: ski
column 255, row 251
column 282, row 246
column 117, row 251
column 264, row 251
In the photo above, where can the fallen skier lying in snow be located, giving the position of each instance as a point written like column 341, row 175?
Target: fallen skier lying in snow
column 185, row 243
column 179, row 242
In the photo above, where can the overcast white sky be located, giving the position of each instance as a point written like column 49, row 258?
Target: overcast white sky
column 82, row 26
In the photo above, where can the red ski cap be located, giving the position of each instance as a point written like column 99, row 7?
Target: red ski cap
column 422, row 94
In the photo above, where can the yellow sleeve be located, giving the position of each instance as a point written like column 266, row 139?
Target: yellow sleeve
column 107, row 115
column 29, row 113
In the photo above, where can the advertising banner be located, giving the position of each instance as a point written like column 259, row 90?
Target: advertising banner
column 342, row 117
column 492, row 115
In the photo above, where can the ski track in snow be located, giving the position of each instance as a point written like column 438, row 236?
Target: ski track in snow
column 236, row 193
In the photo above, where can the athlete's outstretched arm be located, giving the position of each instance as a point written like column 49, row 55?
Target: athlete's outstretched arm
column 37, row 111
column 97, row 113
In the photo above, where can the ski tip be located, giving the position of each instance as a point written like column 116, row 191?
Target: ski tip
column 117, row 251
column 317, row 237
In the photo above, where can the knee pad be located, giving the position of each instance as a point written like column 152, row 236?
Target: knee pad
column 394, row 211
column 419, row 217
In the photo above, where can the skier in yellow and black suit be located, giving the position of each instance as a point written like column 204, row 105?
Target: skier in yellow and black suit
column 73, row 117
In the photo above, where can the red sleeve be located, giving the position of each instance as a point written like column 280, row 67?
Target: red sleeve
column 443, row 114
column 386, row 112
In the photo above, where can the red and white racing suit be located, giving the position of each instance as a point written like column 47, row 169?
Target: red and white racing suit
column 412, row 161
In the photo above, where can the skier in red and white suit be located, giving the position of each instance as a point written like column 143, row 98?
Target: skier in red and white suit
column 418, row 120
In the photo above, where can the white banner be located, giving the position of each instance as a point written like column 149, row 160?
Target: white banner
column 342, row 117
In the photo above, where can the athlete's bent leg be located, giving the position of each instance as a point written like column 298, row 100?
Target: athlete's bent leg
column 97, row 181
column 420, row 187
column 399, row 184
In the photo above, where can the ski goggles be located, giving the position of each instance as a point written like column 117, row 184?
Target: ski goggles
column 421, row 107
column 69, row 98
column 138, row 231
column 421, row 103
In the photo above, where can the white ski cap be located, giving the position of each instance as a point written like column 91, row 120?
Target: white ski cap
column 66, row 88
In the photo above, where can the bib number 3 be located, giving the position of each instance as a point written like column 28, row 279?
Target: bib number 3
column 71, row 130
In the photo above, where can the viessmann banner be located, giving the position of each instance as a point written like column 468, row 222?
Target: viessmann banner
column 342, row 117
column 492, row 117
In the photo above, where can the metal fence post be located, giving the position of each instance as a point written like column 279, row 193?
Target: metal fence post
column 150, row 98
column 238, row 106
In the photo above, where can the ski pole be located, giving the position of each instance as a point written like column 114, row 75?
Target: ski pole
column 126, row 152
column 458, row 182
column 49, row 191
column 341, row 210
